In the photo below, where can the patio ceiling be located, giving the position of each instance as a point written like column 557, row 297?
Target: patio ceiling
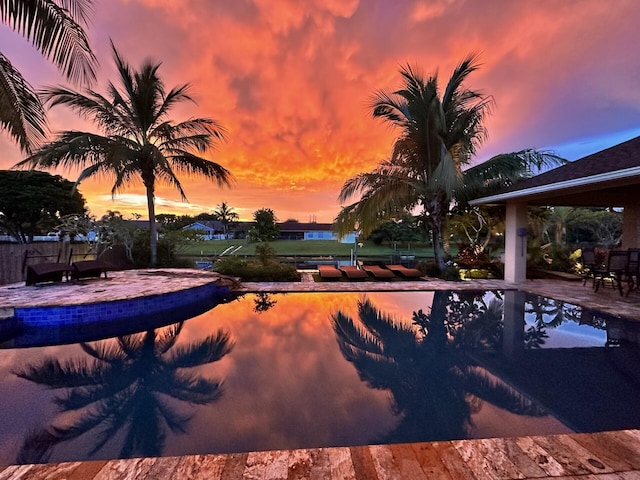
column 609, row 178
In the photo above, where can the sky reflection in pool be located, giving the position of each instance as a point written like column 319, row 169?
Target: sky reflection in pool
column 300, row 372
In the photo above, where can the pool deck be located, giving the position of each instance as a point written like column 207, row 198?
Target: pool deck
column 605, row 455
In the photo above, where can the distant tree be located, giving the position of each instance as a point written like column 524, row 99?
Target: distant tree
column 404, row 230
column 54, row 27
column 226, row 216
column 34, row 202
column 265, row 227
column 114, row 229
column 171, row 222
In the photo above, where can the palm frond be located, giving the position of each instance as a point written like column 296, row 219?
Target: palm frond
column 21, row 113
column 53, row 30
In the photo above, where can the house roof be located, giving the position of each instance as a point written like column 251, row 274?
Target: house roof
column 208, row 224
column 610, row 177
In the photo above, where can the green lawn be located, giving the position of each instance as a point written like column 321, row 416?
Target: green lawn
column 303, row 248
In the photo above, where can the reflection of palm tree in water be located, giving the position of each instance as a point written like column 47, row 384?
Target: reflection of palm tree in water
column 126, row 387
column 434, row 386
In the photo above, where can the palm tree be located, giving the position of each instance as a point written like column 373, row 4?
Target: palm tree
column 226, row 216
column 124, row 388
column 439, row 136
column 54, row 28
column 139, row 142
column 434, row 387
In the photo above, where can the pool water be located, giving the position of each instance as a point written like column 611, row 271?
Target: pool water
column 298, row 370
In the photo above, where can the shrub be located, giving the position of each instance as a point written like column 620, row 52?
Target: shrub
column 257, row 271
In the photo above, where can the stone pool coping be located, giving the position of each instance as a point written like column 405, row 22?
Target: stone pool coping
column 131, row 284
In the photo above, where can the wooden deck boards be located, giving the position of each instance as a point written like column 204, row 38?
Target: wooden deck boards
column 597, row 456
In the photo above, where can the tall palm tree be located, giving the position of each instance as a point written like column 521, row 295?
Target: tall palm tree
column 434, row 386
column 54, row 27
column 124, row 388
column 226, row 216
column 139, row 142
column 439, row 135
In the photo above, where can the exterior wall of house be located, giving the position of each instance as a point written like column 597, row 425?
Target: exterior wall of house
column 631, row 226
column 320, row 235
column 206, row 233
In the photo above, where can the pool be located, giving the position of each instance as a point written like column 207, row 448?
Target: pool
column 301, row 370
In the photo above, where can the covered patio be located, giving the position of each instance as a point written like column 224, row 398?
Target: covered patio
column 609, row 178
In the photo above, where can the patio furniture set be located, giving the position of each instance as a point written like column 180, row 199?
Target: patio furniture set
column 364, row 272
column 619, row 267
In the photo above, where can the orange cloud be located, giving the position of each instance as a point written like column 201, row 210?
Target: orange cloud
column 292, row 82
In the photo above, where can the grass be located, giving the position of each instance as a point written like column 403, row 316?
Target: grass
column 303, row 248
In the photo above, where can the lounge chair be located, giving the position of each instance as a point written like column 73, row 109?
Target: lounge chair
column 405, row 271
column 89, row 269
column 378, row 273
column 329, row 272
column 353, row 273
column 47, row 272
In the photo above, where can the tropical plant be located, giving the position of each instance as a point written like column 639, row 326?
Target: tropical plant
column 139, row 142
column 55, row 29
column 433, row 385
column 124, row 388
column 439, row 135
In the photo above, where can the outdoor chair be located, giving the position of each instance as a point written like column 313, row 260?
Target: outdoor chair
column 329, row 272
column 633, row 269
column 353, row 273
column 89, row 269
column 615, row 270
column 405, row 271
column 378, row 273
column 46, row 271
column 589, row 264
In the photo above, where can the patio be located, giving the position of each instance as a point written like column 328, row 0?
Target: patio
column 610, row 455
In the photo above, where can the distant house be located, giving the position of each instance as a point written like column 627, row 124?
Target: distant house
column 306, row 231
column 208, row 229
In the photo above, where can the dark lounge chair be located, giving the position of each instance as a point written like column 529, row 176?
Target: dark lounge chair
column 405, row 271
column 329, row 272
column 89, row 269
column 47, row 272
column 378, row 273
column 353, row 273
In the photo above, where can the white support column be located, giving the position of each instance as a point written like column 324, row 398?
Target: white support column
column 515, row 243
column 631, row 226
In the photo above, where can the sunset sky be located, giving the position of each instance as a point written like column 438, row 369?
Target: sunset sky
column 291, row 81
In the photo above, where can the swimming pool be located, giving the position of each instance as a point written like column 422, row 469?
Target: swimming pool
column 301, row 370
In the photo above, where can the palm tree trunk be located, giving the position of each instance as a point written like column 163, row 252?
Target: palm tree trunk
column 153, row 231
column 436, row 220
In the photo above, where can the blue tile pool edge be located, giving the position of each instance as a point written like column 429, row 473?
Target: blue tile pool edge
column 115, row 309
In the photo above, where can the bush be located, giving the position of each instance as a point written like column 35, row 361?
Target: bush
column 166, row 251
column 256, row 271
